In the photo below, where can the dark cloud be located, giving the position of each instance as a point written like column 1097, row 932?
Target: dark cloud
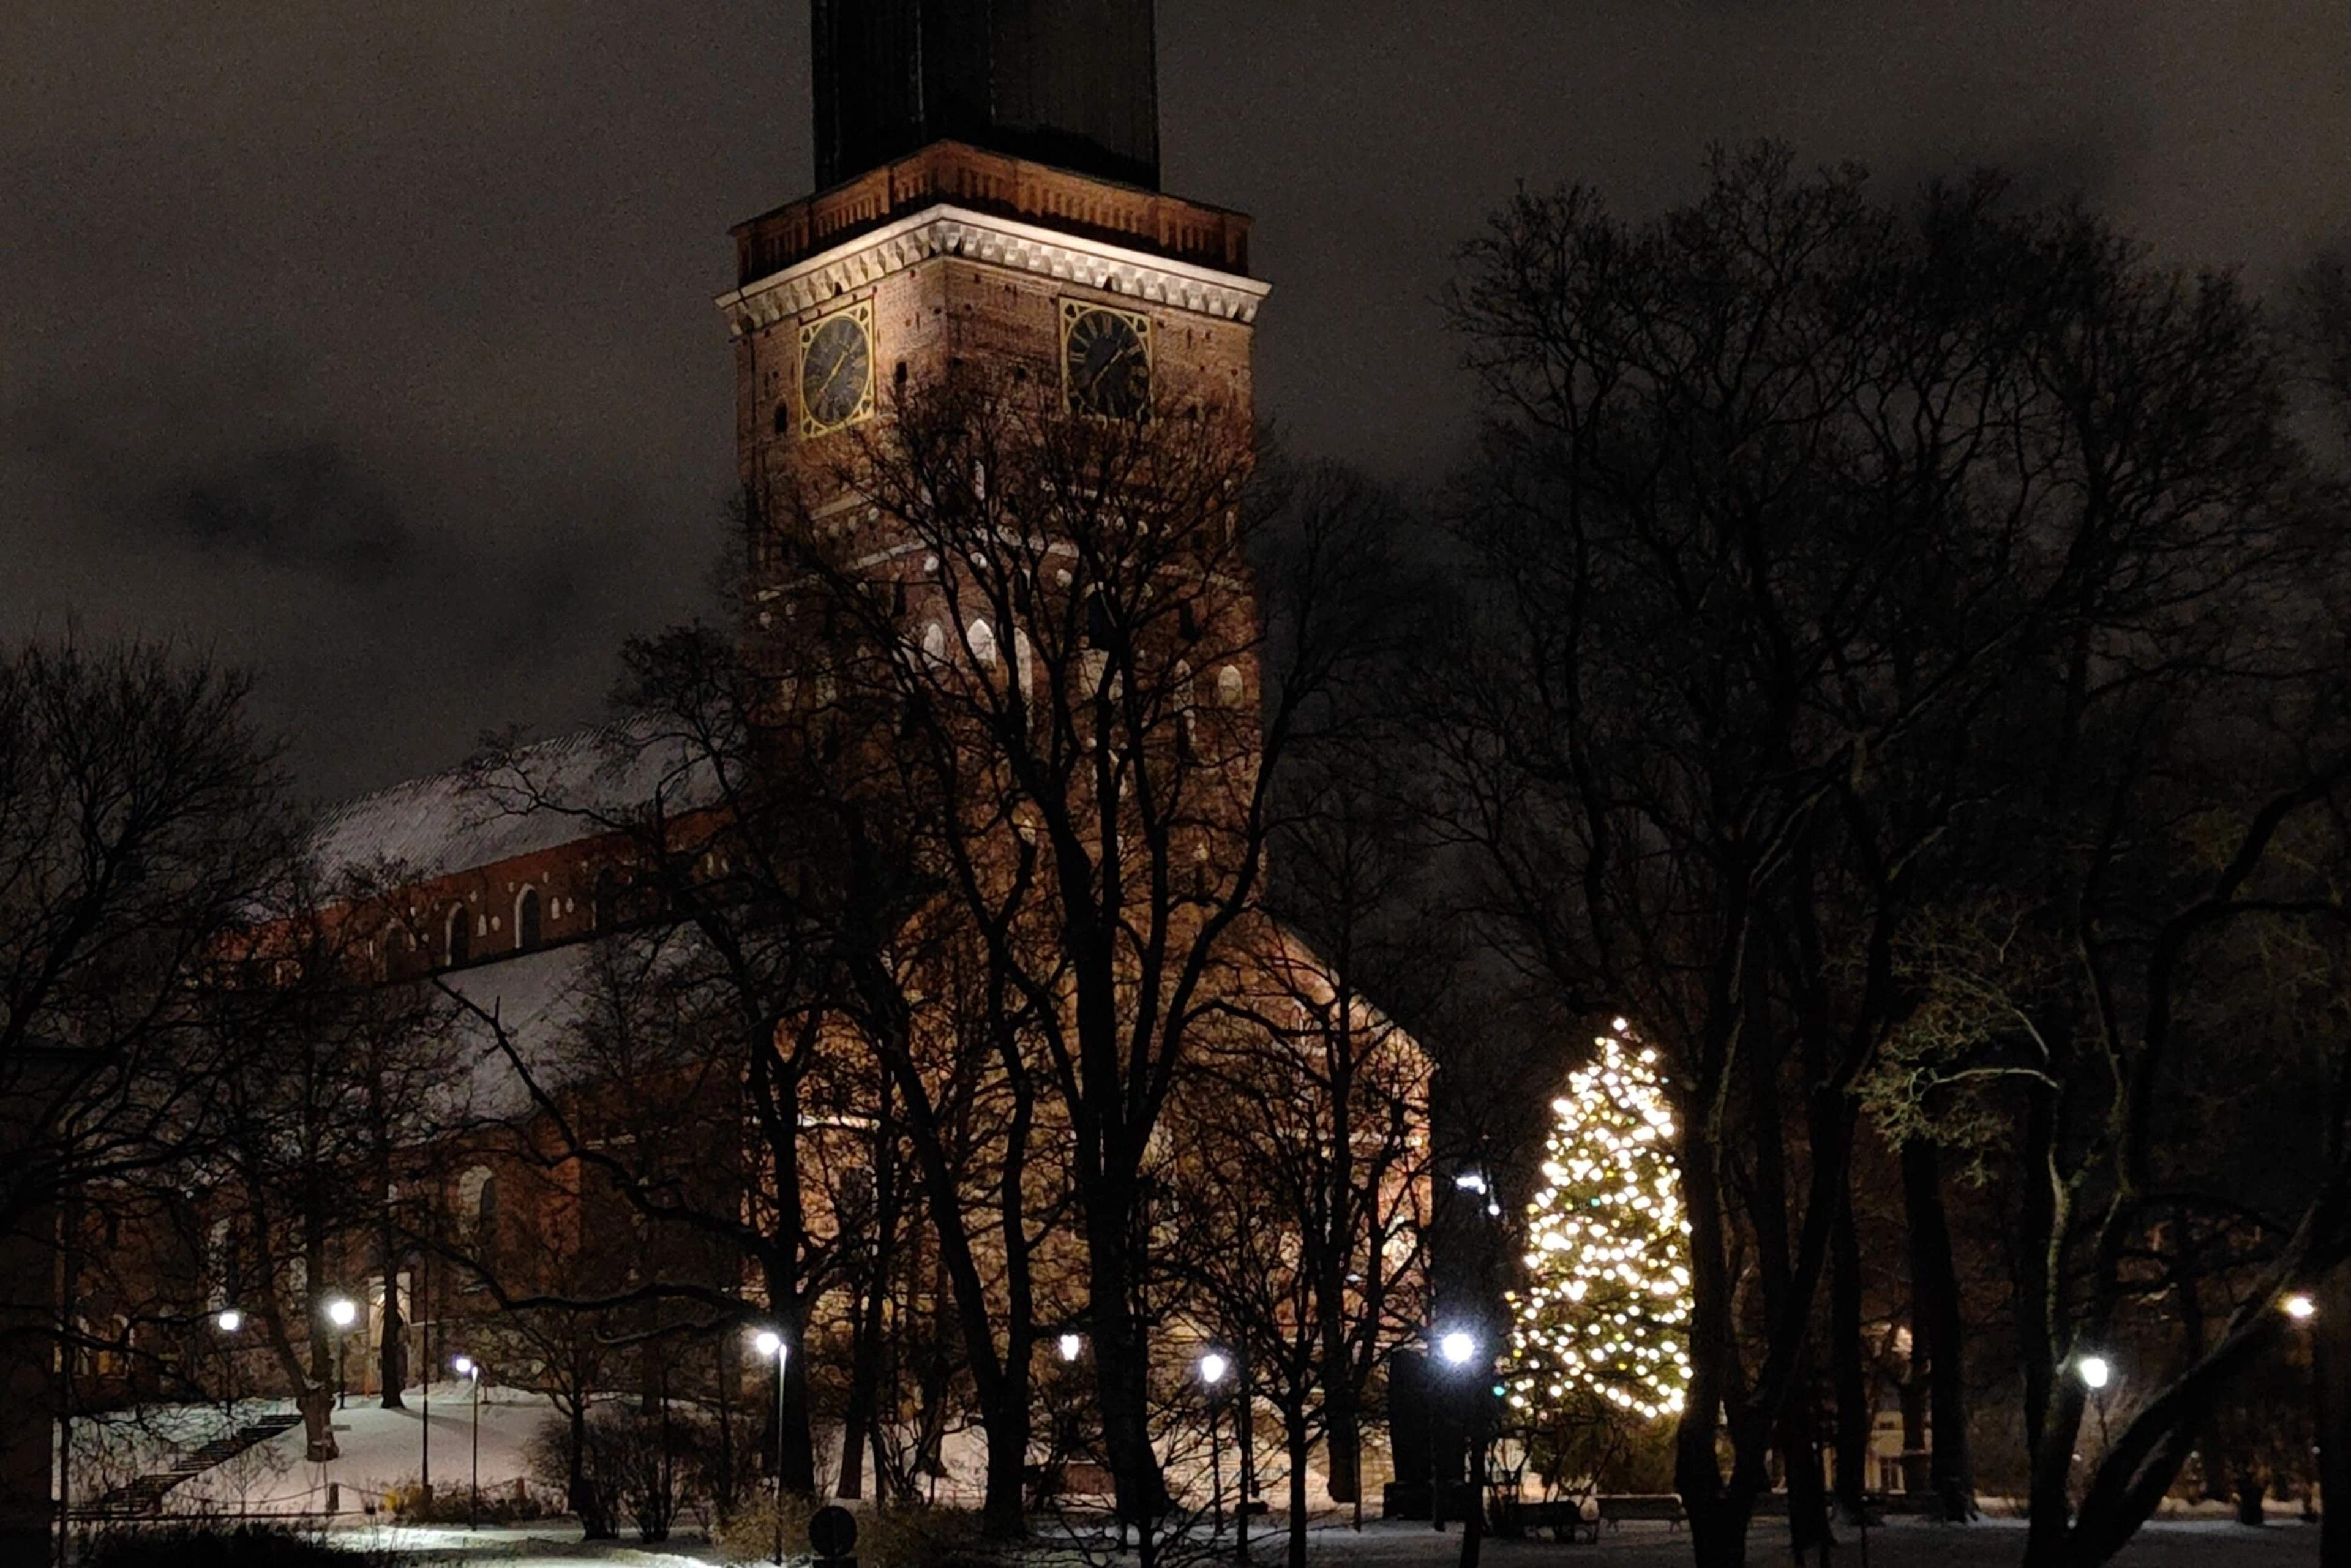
column 375, row 346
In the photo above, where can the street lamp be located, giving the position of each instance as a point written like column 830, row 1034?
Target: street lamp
column 1071, row 1345
column 342, row 1313
column 771, row 1346
column 1213, row 1368
column 1460, row 1348
column 467, row 1366
column 230, row 1319
column 2300, row 1308
column 2096, row 1373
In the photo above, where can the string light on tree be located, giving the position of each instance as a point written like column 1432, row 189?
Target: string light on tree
column 1607, row 1310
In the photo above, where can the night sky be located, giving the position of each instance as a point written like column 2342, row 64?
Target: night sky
column 372, row 347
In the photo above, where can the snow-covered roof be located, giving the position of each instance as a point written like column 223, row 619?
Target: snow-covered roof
column 536, row 798
column 536, row 998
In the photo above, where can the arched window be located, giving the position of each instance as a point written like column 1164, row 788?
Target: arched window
column 1231, row 687
column 527, row 919
column 934, row 643
column 983, row 644
column 458, row 942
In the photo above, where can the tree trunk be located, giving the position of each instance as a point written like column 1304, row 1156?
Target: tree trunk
column 1854, row 1419
column 1293, row 1422
column 1003, row 1511
column 1799, row 1462
column 2251, row 1484
column 2332, row 1364
column 391, row 1363
column 1938, row 1329
column 1121, row 1374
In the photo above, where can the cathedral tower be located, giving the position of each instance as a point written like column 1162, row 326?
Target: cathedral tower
column 990, row 169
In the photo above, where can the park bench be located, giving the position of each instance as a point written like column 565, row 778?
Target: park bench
column 1615, row 1510
column 1565, row 1517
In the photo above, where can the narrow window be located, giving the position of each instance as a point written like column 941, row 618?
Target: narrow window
column 459, row 944
column 527, row 919
column 604, row 904
column 1230, row 687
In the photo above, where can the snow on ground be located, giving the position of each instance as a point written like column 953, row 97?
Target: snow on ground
column 382, row 1448
column 2199, row 1543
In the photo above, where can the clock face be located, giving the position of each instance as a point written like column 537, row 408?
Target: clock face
column 837, row 369
column 1106, row 361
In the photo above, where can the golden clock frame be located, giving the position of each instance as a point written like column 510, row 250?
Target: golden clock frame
column 862, row 313
column 1072, row 311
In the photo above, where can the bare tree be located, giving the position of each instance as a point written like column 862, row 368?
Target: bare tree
column 1794, row 507
column 1080, row 669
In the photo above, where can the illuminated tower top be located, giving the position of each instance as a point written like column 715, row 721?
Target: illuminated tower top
column 1071, row 83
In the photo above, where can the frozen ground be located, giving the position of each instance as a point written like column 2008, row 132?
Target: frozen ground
column 381, row 1449
column 1991, row 1545
column 385, row 1448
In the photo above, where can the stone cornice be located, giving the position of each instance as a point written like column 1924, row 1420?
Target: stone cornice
column 958, row 232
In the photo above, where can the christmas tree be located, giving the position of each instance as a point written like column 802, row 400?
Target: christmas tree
column 1605, row 1313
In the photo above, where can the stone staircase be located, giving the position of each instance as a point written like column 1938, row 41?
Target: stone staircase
column 143, row 1497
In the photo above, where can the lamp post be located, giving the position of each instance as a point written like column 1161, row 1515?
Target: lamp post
column 2301, row 1307
column 1213, row 1367
column 2096, row 1373
column 342, row 1313
column 468, row 1367
column 1460, row 1349
column 771, row 1346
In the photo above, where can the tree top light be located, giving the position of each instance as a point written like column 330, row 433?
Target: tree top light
column 2300, row 1308
column 1213, row 1367
column 2095, row 1371
column 770, row 1344
column 230, row 1319
column 1458, row 1346
column 341, row 1312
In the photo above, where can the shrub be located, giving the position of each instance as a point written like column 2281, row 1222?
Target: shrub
column 454, row 1504
column 748, row 1534
column 647, row 1468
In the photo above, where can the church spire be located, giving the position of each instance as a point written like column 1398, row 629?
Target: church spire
column 1073, row 83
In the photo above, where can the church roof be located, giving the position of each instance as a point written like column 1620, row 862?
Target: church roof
column 560, row 791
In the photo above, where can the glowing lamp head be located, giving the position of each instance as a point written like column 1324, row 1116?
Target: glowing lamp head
column 463, row 1366
column 230, row 1319
column 1071, row 1345
column 1213, row 1367
column 341, row 1312
column 1458, row 1346
column 2300, row 1308
column 770, row 1345
column 2095, row 1371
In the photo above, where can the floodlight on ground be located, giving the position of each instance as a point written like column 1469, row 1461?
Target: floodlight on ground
column 1456, row 1346
column 770, row 1345
column 343, row 1312
column 1071, row 1345
column 230, row 1319
column 2095, row 1371
column 2300, row 1308
column 1213, row 1367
